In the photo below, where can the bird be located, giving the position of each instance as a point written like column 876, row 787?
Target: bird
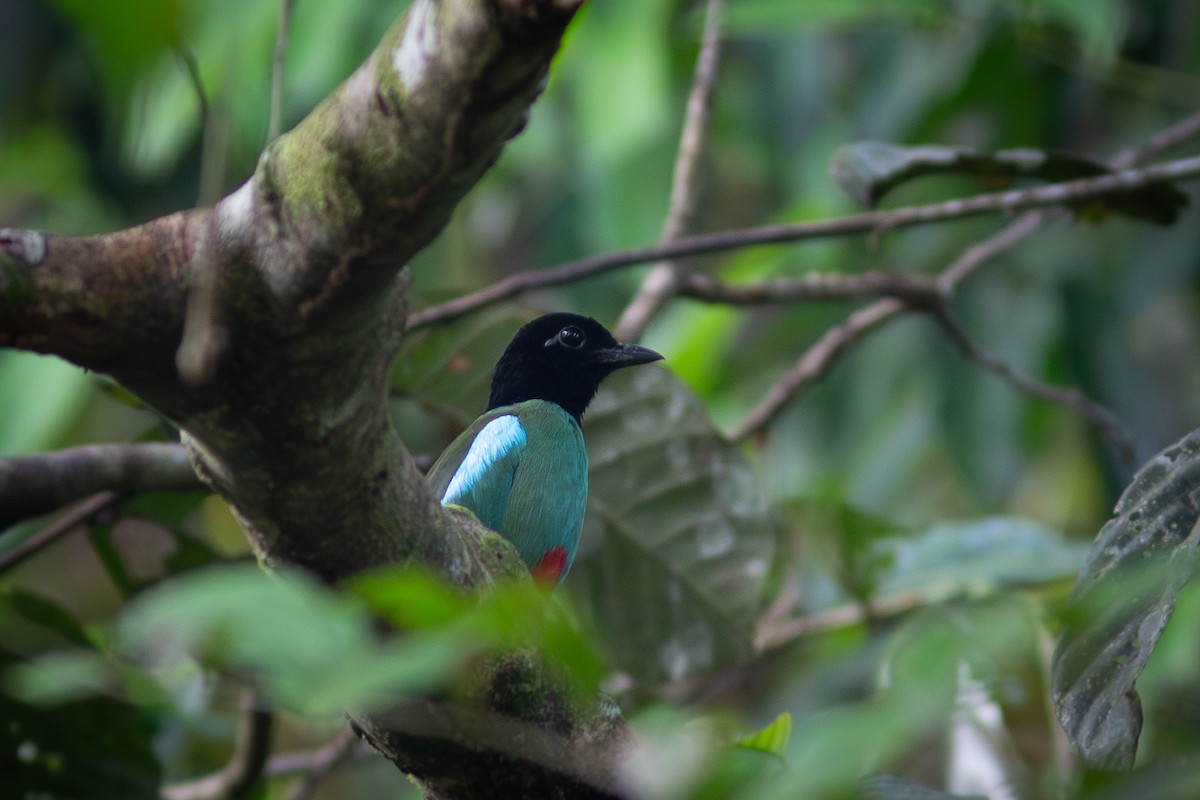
column 522, row 468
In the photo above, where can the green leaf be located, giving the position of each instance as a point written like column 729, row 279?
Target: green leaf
column 677, row 542
column 974, row 556
column 868, row 170
column 32, row 420
column 1121, row 603
column 411, row 598
column 313, row 650
column 60, row 677
column 47, row 613
column 513, row 615
column 96, row 748
column 772, row 739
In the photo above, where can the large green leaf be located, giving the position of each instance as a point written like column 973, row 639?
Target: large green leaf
column 1121, row 603
column 677, row 542
column 953, row 558
column 313, row 650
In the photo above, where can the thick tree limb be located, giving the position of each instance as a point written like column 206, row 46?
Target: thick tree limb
column 37, row 484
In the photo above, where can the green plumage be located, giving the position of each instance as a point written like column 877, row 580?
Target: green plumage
column 534, row 491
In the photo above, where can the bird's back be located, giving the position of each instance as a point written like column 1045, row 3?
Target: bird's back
column 522, row 469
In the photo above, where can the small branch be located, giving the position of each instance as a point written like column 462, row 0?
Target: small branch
column 345, row 747
column 326, row 760
column 1006, row 238
column 815, row 362
column 80, row 515
column 1183, row 130
column 779, row 631
column 37, row 484
column 281, row 36
column 663, row 280
column 873, row 222
column 917, row 290
column 214, row 146
column 1104, row 420
column 245, row 770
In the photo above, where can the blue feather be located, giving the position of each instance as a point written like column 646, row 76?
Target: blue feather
column 484, row 478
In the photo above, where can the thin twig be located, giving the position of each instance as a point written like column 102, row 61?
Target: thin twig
column 325, row 761
column 815, row 361
column 1178, row 133
column 204, row 334
column 275, row 122
column 213, row 148
column 663, row 280
column 346, row 746
column 1004, row 239
column 779, row 631
column 915, row 289
column 245, row 769
column 1104, row 420
column 81, row 514
column 866, row 222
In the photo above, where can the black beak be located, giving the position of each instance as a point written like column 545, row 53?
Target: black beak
column 626, row 355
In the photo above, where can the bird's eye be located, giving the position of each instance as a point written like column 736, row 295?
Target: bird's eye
column 571, row 337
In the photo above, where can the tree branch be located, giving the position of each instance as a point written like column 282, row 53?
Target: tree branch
column 342, row 749
column 813, row 365
column 918, row 290
column 1104, row 420
column 38, row 484
column 323, row 762
column 872, row 222
column 663, row 280
column 816, row 360
column 275, row 121
column 81, row 514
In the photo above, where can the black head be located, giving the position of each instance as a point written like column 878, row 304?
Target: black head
column 561, row 358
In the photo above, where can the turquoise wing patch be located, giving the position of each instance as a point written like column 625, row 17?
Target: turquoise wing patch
column 484, row 478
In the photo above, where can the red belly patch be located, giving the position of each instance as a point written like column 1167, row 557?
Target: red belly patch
column 551, row 567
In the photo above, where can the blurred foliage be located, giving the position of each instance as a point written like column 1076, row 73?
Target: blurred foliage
column 920, row 521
